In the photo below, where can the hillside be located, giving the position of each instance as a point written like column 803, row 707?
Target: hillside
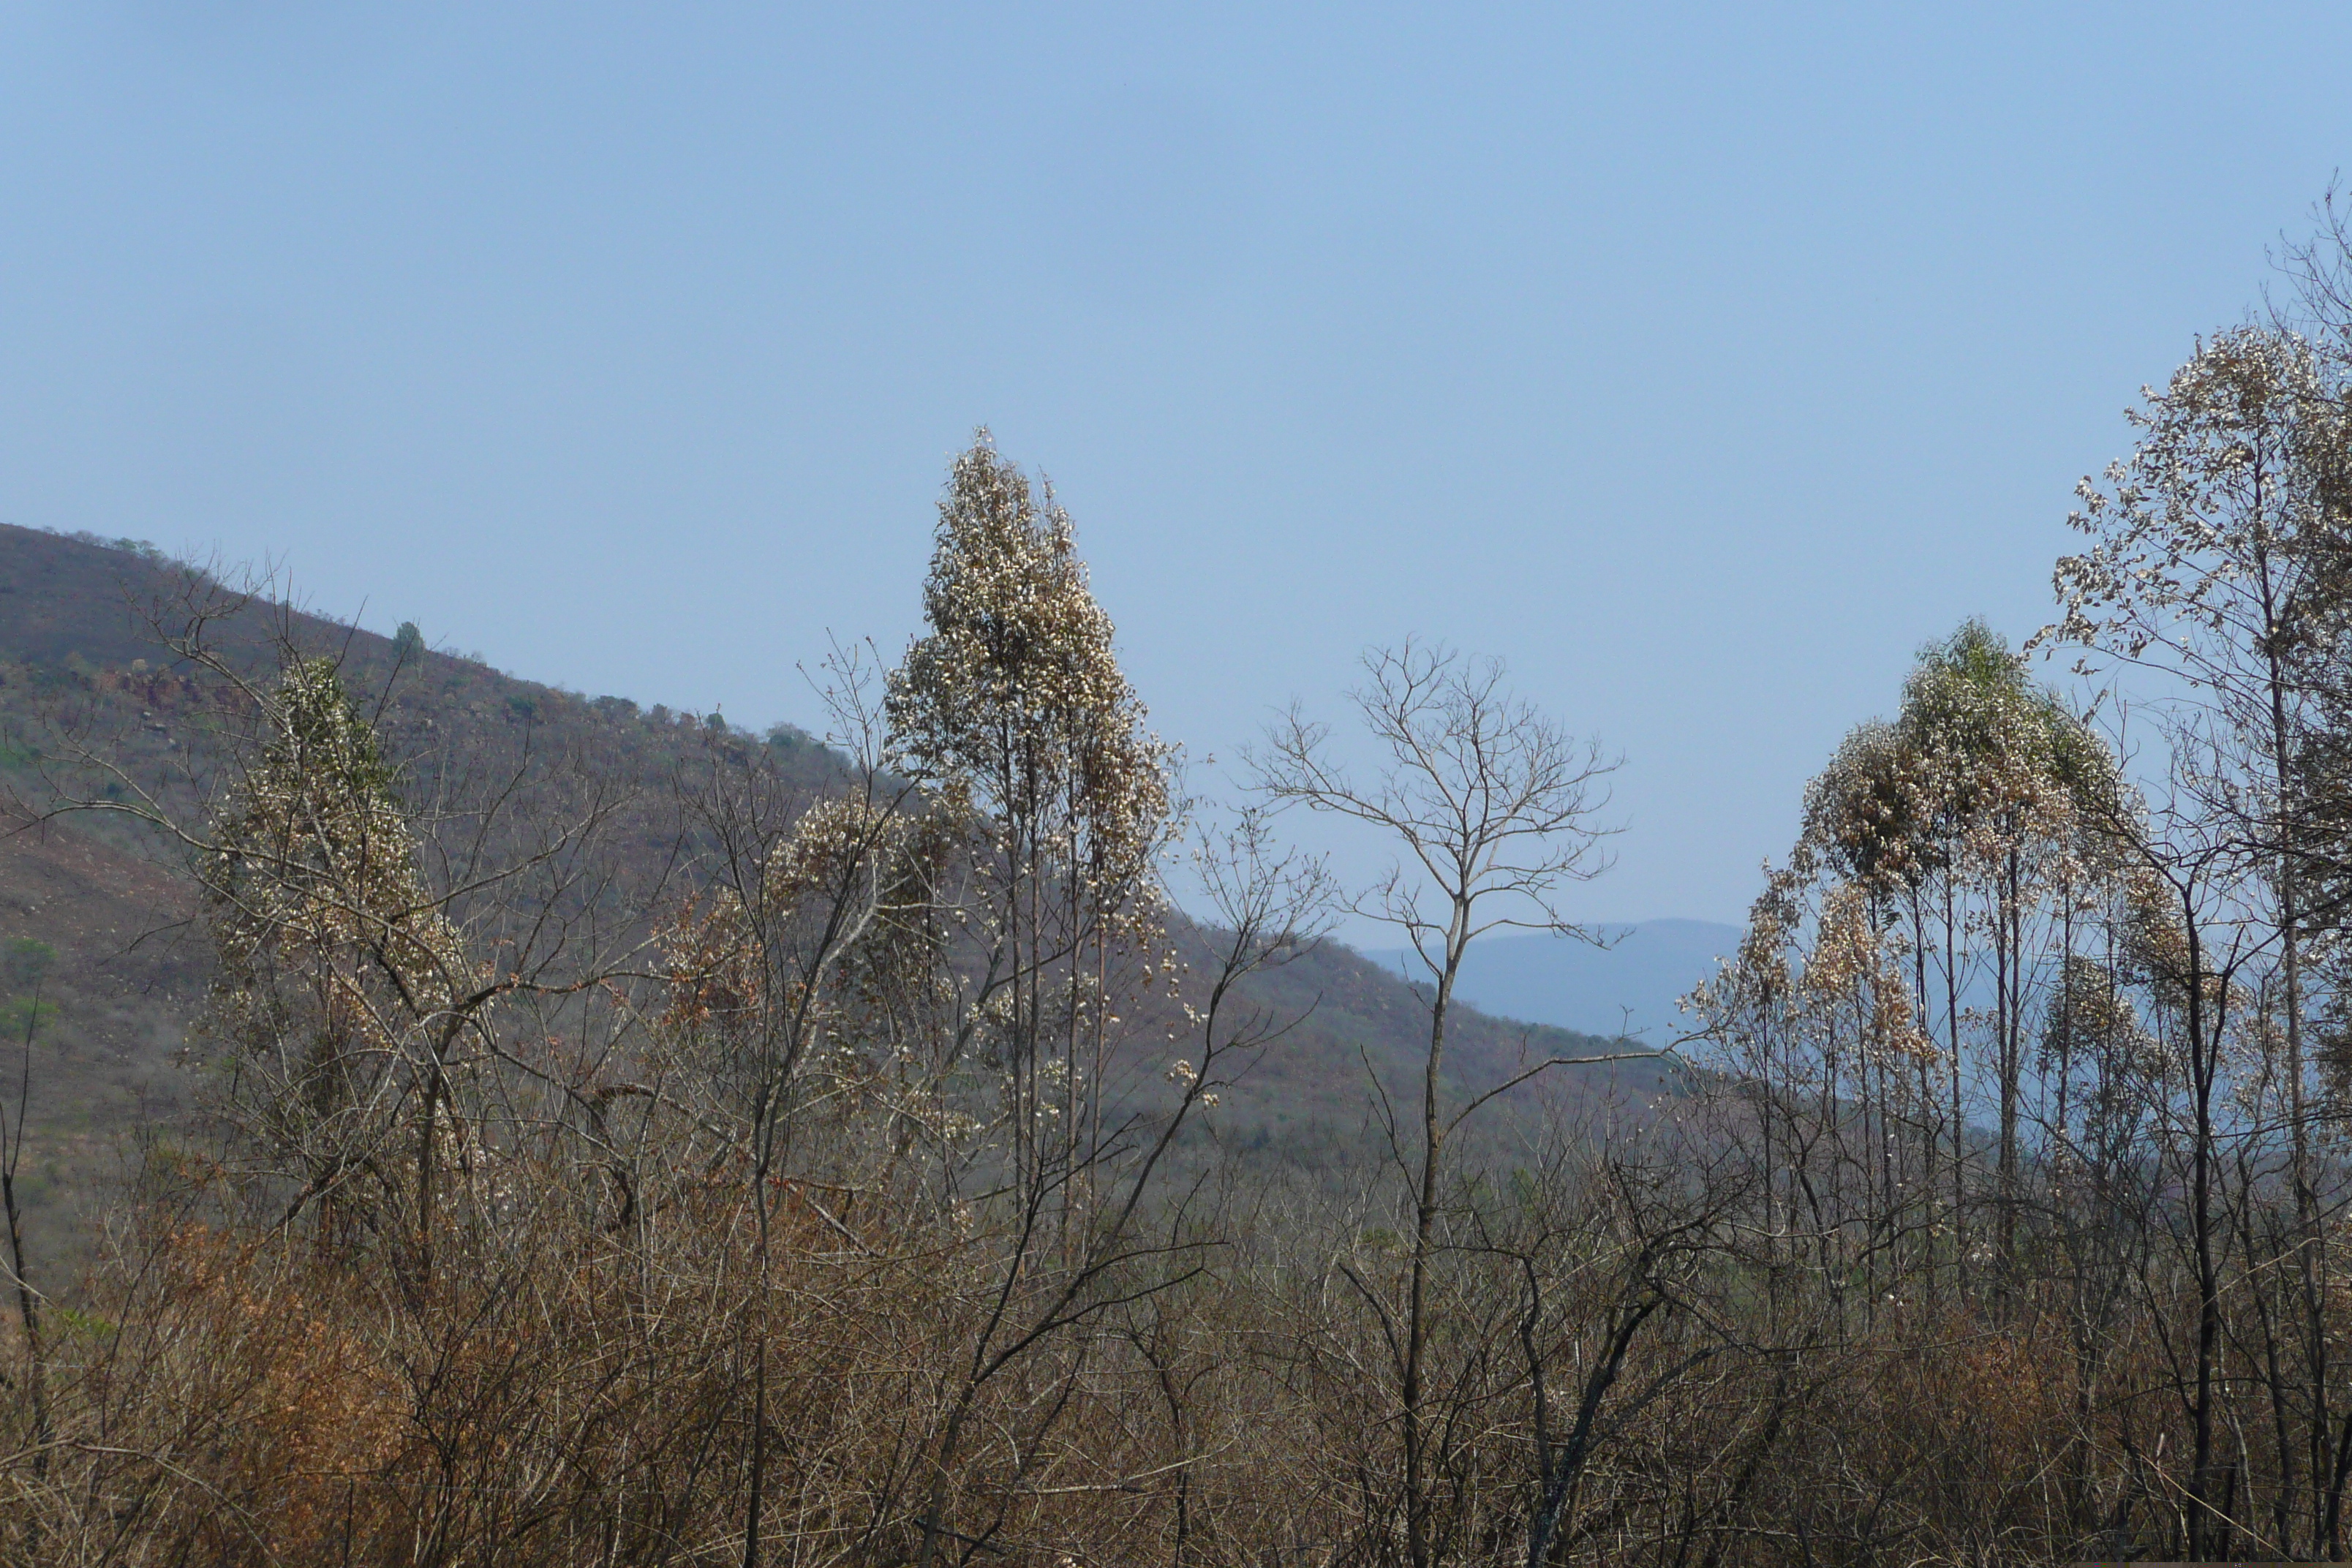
column 127, row 974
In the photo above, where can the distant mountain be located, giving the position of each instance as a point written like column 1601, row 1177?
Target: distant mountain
column 1634, row 985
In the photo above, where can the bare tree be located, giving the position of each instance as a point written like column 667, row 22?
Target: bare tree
column 1492, row 809
column 800, row 888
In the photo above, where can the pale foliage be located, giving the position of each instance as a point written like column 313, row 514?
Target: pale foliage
column 344, row 994
column 2203, row 541
column 1015, row 696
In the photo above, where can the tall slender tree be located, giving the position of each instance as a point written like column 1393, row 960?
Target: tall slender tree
column 1493, row 810
column 1013, row 709
column 2215, row 562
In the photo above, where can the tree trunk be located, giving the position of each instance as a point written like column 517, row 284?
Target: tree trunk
column 2201, row 1066
column 1416, row 1458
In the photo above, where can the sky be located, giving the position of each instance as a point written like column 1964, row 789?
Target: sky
column 1699, row 362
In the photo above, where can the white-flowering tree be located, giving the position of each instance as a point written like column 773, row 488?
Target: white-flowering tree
column 1950, row 862
column 2216, row 561
column 2216, row 557
column 2004, row 772
column 1013, row 711
column 1011, row 714
column 344, row 994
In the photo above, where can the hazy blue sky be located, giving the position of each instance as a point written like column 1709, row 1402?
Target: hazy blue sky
column 1701, row 361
